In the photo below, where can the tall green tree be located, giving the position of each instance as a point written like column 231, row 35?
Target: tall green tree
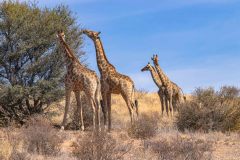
column 31, row 61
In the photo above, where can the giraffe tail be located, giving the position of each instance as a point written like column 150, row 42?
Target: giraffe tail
column 184, row 96
column 136, row 105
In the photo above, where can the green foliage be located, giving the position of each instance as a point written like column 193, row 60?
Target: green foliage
column 211, row 110
column 31, row 61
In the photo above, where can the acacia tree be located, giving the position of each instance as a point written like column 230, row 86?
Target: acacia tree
column 31, row 61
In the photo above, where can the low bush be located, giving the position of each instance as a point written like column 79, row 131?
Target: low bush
column 145, row 127
column 211, row 110
column 99, row 145
column 39, row 137
column 16, row 155
column 179, row 148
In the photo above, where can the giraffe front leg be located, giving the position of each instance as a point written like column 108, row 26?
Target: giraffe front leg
column 79, row 110
column 103, row 104
column 167, row 105
column 161, row 98
column 171, row 104
column 67, row 104
column 109, row 111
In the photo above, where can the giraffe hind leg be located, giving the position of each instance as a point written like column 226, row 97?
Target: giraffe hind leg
column 104, row 106
column 130, row 109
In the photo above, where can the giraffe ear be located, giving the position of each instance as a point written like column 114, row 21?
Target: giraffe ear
column 148, row 63
column 98, row 33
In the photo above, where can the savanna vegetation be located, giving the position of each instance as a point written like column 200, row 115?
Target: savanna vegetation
column 206, row 126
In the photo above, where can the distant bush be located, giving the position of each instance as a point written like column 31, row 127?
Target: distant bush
column 40, row 138
column 211, row 110
column 139, row 94
column 145, row 127
column 99, row 145
column 179, row 148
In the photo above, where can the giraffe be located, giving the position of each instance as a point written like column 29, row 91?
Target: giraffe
column 173, row 91
column 166, row 83
column 79, row 78
column 112, row 82
column 158, row 82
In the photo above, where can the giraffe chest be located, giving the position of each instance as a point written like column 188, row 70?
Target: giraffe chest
column 111, row 84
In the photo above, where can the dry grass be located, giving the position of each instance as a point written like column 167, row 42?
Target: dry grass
column 119, row 145
column 145, row 127
column 179, row 147
column 39, row 137
column 99, row 145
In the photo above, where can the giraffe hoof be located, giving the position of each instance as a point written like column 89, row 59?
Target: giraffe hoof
column 105, row 127
column 82, row 128
column 62, row 128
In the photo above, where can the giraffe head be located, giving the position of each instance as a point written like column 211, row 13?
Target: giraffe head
column 148, row 67
column 155, row 59
column 61, row 35
column 91, row 34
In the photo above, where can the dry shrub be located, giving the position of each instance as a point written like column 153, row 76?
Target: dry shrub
column 141, row 93
column 179, row 148
column 99, row 145
column 39, row 137
column 2, row 157
column 16, row 155
column 11, row 147
column 145, row 126
column 211, row 110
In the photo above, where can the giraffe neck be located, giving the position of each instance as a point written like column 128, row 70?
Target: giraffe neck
column 155, row 77
column 70, row 57
column 165, row 80
column 102, row 61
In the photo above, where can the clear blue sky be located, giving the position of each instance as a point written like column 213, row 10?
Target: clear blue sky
column 198, row 41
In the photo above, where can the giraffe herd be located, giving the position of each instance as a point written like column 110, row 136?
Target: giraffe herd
column 79, row 78
column 171, row 95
